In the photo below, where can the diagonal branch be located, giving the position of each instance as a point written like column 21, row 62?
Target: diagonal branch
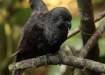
column 92, row 41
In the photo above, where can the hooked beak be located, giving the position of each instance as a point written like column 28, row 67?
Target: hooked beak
column 68, row 23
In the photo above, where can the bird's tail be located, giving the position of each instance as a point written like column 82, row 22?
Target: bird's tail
column 38, row 5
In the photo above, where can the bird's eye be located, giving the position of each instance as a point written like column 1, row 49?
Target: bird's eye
column 55, row 19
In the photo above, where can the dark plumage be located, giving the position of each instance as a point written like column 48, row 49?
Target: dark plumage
column 44, row 32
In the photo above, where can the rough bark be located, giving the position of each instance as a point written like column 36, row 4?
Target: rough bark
column 87, row 29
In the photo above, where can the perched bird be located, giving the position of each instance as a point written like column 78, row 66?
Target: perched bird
column 44, row 32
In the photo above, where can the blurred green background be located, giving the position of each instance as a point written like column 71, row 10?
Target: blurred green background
column 13, row 15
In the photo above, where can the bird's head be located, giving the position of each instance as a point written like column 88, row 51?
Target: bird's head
column 61, row 13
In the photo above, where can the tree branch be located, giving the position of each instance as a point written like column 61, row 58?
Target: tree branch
column 57, row 59
column 91, row 42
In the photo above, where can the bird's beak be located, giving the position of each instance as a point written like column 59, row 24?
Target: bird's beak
column 69, row 24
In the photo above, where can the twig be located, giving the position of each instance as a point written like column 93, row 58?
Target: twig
column 74, row 32
column 77, row 30
column 100, row 16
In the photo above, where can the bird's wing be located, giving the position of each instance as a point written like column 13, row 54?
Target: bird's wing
column 31, row 31
column 27, row 29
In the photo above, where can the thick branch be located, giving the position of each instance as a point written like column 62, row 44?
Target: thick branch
column 54, row 60
column 87, row 29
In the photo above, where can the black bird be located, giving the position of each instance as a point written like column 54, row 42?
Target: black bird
column 44, row 32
